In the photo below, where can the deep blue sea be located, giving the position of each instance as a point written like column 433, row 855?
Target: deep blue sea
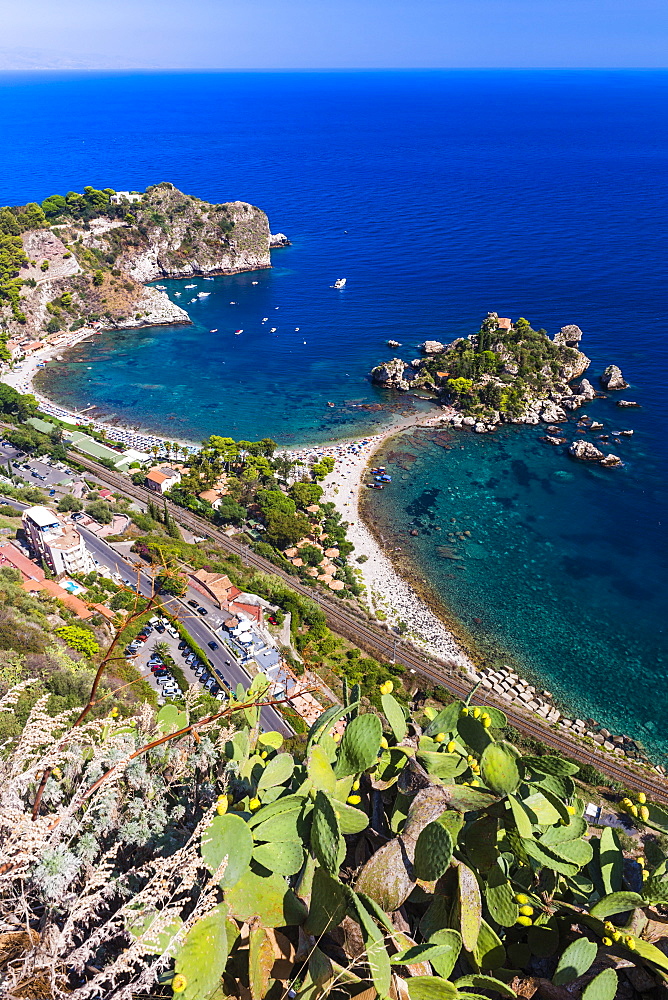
column 439, row 196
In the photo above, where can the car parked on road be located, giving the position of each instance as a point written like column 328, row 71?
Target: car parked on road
column 202, row 611
column 213, row 645
column 193, row 604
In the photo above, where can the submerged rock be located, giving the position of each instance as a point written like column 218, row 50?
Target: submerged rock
column 626, row 403
column 612, row 378
column 393, row 343
column 611, row 460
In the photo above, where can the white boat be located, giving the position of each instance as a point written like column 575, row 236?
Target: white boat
column 265, row 319
column 208, row 279
column 296, row 329
column 190, row 286
column 177, row 294
column 203, row 295
column 193, row 300
column 214, row 331
column 339, row 283
column 162, row 288
column 254, row 282
column 237, row 332
column 273, row 330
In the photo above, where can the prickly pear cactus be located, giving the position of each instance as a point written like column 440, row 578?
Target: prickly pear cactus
column 427, row 851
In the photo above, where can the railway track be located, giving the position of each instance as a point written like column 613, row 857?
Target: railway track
column 375, row 639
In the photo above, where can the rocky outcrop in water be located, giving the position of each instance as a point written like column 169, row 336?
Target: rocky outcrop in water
column 391, row 375
column 585, row 451
column 432, row 347
column 568, row 336
column 612, row 379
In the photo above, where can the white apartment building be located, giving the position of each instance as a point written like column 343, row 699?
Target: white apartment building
column 57, row 543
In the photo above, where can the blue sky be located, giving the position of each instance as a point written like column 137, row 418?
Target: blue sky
column 285, row 34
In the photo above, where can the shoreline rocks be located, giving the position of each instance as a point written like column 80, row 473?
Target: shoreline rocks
column 585, row 451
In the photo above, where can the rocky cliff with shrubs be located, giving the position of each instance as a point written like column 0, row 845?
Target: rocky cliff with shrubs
column 82, row 259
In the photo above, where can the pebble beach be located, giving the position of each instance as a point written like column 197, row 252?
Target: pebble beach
column 388, row 595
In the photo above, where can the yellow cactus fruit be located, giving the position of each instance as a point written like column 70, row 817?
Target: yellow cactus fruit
column 470, row 758
column 487, row 722
column 384, row 745
column 570, row 810
column 525, row 921
column 606, row 942
column 439, row 738
column 644, row 813
column 526, row 911
column 221, row 805
column 264, row 754
column 336, row 737
column 475, row 783
column 642, row 798
column 630, row 942
column 634, row 811
column 617, row 936
column 114, row 712
column 645, row 874
column 626, row 802
column 465, row 710
column 608, row 927
column 356, row 784
column 521, row 898
column 641, row 860
column 389, row 687
column 354, row 800
column 56, row 773
column 467, row 783
column 179, row 983
column 476, row 712
column 254, row 804
column 451, row 747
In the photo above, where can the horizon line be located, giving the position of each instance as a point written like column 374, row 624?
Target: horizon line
column 334, row 69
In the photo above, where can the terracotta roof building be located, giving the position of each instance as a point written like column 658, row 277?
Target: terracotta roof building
column 503, row 323
column 162, row 479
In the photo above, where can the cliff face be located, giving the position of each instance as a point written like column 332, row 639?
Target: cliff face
column 92, row 270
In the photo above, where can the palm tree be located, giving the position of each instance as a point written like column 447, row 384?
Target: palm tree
column 162, row 649
column 168, row 448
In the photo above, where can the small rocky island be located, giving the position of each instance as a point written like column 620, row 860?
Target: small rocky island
column 507, row 372
column 83, row 259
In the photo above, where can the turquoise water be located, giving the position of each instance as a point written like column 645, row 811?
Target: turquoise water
column 439, row 196
column 563, row 573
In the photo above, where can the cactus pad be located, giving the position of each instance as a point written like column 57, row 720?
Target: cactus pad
column 359, row 746
column 433, row 851
column 576, row 959
column 227, row 836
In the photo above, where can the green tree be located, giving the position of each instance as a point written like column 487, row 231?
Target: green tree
column 68, row 503
column 101, row 511
column 172, row 582
column 285, row 529
column 306, row 494
column 98, row 279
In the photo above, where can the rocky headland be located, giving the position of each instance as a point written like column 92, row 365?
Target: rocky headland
column 507, row 373
column 83, row 260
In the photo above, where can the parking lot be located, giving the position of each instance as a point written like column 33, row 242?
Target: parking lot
column 33, row 471
column 194, row 674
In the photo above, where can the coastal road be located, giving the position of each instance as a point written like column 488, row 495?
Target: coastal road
column 223, row 662
column 381, row 642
